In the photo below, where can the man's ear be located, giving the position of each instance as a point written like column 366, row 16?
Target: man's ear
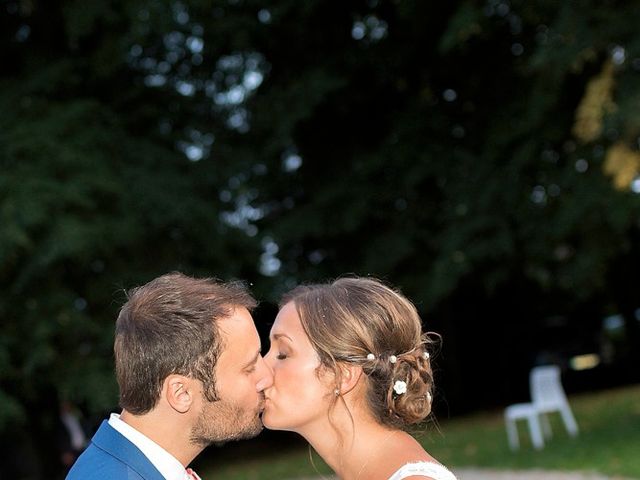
column 179, row 392
column 349, row 376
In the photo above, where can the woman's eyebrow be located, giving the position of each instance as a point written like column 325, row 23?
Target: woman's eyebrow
column 278, row 336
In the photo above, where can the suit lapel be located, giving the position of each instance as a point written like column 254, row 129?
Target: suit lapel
column 117, row 445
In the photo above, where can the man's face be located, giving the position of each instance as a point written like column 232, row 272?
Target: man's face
column 241, row 377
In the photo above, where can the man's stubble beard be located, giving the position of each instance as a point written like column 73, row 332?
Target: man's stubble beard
column 222, row 421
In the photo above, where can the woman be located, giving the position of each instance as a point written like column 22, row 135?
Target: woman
column 351, row 375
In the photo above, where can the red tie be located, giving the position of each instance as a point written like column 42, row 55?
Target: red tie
column 193, row 475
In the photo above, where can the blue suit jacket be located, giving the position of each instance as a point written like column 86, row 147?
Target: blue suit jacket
column 110, row 456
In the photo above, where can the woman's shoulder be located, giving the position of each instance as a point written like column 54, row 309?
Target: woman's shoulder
column 410, row 459
column 432, row 470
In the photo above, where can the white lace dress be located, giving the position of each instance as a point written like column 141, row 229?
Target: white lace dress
column 423, row 469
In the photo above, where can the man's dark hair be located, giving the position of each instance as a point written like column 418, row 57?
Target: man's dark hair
column 169, row 326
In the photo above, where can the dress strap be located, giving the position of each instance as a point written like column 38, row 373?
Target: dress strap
column 424, row 469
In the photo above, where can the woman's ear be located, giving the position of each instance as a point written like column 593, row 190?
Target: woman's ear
column 349, row 376
column 179, row 391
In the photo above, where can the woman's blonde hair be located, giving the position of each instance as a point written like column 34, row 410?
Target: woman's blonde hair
column 362, row 321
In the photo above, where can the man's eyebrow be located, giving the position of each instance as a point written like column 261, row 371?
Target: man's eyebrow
column 252, row 361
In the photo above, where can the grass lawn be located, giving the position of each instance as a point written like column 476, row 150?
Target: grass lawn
column 609, row 440
column 609, row 443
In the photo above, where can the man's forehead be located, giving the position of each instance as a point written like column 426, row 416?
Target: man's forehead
column 238, row 319
column 239, row 335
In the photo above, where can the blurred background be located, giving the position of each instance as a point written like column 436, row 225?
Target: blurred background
column 483, row 156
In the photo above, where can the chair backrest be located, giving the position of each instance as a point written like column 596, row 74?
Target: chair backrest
column 546, row 388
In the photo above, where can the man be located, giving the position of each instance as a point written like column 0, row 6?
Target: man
column 190, row 374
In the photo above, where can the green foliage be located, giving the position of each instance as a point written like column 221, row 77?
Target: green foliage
column 457, row 178
column 430, row 144
column 89, row 206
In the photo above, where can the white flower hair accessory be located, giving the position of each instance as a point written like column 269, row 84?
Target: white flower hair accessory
column 400, row 387
column 371, row 357
column 393, row 359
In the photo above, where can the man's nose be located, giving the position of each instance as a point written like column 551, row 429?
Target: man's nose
column 266, row 375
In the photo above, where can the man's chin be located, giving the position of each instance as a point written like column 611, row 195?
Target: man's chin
column 249, row 431
column 243, row 435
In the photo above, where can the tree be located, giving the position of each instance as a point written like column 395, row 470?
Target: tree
column 481, row 156
column 93, row 200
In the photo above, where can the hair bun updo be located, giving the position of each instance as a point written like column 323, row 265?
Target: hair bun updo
column 412, row 405
column 362, row 321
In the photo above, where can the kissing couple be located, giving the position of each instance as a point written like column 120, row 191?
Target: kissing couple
column 348, row 368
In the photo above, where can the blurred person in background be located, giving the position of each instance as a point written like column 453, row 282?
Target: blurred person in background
column 71, row 436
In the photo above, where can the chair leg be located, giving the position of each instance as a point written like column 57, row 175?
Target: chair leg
column 512, row 433
column 535, row 431
column 546, row 426
column 569, row 421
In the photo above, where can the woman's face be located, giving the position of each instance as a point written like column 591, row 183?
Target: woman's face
column 301, row 393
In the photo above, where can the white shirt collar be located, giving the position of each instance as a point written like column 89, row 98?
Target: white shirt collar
column 165, row 463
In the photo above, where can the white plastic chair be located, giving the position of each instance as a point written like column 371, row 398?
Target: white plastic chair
column 547, row 395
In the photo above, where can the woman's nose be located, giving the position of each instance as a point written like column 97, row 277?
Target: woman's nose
column 269, row 359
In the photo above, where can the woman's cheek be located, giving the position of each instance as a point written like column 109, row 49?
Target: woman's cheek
column 288, row 380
